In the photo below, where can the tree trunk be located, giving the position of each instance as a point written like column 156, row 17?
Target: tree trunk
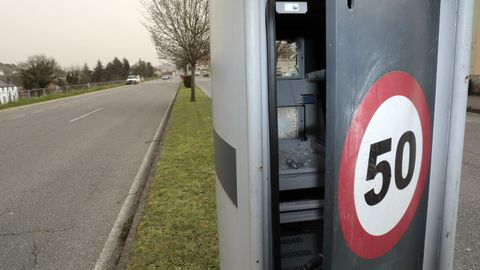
column 192, row 89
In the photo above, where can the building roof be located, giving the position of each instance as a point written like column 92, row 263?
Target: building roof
column 3, row 84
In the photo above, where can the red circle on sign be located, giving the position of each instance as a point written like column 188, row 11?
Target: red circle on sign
column 362, row 243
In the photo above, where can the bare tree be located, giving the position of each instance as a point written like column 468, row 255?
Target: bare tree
column 180, row 31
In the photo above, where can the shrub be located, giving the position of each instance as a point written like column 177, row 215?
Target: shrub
column 187, row 81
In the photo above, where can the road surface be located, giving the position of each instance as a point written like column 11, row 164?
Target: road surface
column 65, row 169
column 467, row 248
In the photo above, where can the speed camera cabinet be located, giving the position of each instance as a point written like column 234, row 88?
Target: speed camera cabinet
column 336, row 125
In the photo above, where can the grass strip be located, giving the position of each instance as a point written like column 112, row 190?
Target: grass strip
column 178, row 229
column 76, row 92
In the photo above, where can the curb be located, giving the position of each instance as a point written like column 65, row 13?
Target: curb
column 473, row 110
column 113, row 246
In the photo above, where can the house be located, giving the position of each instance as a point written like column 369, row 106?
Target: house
column 8, row 93
column 475, row 56
column 203, row 64
column 52, row 87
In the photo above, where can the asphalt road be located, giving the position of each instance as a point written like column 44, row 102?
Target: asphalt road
column 467, row 248
column 65, row 169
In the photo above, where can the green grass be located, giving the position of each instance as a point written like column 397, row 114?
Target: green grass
column 33, row 100
column 178, row 229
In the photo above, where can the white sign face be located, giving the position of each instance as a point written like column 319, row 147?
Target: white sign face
column 384, row 166
column 388, row 165
column 292, row 7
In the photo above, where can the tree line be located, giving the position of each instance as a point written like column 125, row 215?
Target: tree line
column 40, row 70
column 180, row 31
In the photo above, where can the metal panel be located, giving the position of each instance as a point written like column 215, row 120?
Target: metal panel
column 463, row 43
column 239, row 105
column 226, row 167
column 443, row 104
column 366, row 40
column 229, row 107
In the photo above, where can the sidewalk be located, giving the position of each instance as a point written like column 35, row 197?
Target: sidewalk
column 205, row 85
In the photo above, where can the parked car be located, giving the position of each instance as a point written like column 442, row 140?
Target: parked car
column 166, row 77
column 134, row 79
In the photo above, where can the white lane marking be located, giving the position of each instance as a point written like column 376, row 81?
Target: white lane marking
column 52, row 108
column 85, row 115
column 16, row 117
column 39, row 111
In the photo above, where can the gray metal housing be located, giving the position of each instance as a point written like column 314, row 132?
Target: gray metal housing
column 363, row 43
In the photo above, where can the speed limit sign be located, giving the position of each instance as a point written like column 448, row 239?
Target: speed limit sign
column 384, row 165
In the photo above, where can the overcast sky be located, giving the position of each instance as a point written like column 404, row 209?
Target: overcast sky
column 74, row 31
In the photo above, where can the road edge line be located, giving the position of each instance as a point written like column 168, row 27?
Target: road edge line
column 113, row 246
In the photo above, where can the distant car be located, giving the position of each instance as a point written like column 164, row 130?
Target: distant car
column 133, row 79
column 166, row 77
column 205, row 74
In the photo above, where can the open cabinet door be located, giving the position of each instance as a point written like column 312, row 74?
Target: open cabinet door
column 381, row 73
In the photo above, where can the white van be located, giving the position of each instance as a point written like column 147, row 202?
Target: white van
column 133, row 79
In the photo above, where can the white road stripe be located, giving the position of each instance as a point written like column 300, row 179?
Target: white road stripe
column 85, row 115
column 39, row 111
